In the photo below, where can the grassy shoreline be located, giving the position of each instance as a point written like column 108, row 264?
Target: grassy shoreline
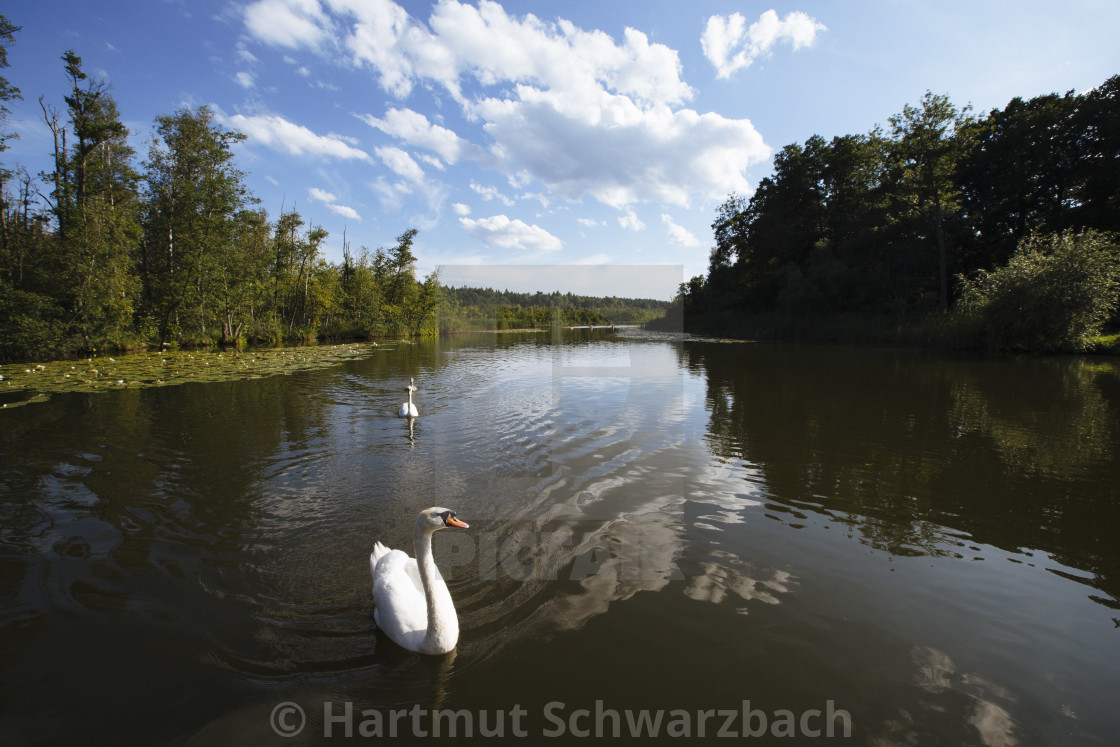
column 847, row 329
column 944, row 332
column 248, row 345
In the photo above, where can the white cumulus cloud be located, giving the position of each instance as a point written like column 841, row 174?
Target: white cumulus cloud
column 279, row 134
column 678, row 234
column 631, row 222
column 345, row 211
column 321, row 195
column 416, row 130
column 488, row 44
column 559, row 111
column 381, row 34
column 659, row 155
column 499, row 231
column 400, row 163
column 491, row 193
column 287, row 23
column 730, row 45
column 330, row 200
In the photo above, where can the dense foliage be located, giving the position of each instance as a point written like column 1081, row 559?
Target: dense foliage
column 877, row 226
column 485, row 308
column 105, row 252
column 1055, row 293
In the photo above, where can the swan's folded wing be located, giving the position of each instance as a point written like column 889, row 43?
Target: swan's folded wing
column 400, row 607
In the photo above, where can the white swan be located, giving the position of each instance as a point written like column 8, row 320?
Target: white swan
column 408, row 410
column 411, row 601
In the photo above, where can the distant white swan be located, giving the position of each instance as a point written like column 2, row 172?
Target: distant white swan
column 408, row 410
column 411, row 601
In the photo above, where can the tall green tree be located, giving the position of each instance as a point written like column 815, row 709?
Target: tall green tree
column 86, row 266
column 852, row 177
column 243, row 287
column 101, row 216
column 296, row 264
column 729, row 258
column 807, row 235
column 307, row 301
column 97, row 129
column 401, row 266
column 8, row 92
column 1097, row 125
column 194, row 196
column 1019, row 174
column 422, row 310
column 30, row 318
column 778, row 228
column 362, row 294
column 924, row 157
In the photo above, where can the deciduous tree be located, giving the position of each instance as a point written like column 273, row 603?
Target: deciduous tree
column 194, row 196
column 924, row 156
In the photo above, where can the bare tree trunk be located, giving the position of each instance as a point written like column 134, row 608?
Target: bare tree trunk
column 942, row 251
column 50, row 118
column 147, row 278
column 4, row 242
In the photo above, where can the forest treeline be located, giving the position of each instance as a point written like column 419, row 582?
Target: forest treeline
column 485, row 308
column 996, row 230
column 107, row 251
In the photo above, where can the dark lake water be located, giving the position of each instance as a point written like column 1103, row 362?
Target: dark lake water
column 763, row 541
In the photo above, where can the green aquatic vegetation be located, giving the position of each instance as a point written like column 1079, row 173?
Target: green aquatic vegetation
column 1106, row 344
column 24, row 383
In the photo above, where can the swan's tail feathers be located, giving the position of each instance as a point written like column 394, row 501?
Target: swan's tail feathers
column 379, row 551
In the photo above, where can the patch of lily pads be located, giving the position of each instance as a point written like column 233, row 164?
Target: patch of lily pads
column 25, row 383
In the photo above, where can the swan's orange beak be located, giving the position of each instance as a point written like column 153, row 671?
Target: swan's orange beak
column 455, row 522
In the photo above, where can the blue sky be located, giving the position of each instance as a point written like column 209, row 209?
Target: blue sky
column 579, row 146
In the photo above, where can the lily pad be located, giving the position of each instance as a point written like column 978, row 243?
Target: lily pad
column 24, row 383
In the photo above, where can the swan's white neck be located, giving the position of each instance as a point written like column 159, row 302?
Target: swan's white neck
column 443, row 623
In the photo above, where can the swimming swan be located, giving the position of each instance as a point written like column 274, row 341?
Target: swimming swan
column 408, row 410
column 411, row 601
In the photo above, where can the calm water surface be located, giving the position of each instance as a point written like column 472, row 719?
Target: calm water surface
column 924, row 546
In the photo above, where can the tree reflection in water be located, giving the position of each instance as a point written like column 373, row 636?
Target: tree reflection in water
column 928, row 454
